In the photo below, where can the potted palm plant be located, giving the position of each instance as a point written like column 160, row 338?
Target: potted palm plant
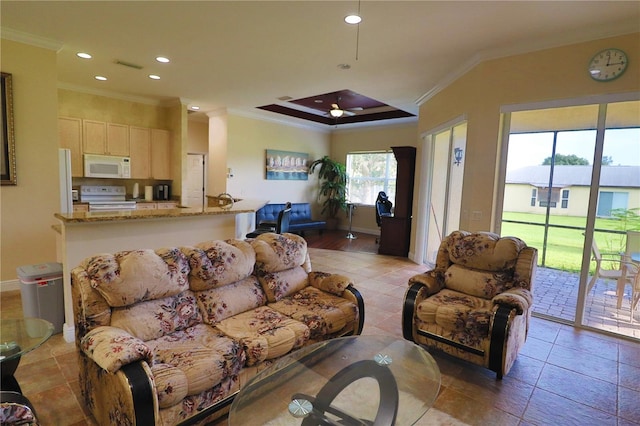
column 332, row 193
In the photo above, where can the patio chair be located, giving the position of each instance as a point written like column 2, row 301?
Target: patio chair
column 626, row 271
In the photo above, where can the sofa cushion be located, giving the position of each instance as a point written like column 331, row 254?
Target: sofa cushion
column 128, row 277
column 278, row 252
column 171, row 383
column 265, row 333
column 485, row 284
column 484, row 250
column 277, row 285
column 155, row 318
column 217, row 263
column 223, row 302
column 323, row 313
column 203, row 354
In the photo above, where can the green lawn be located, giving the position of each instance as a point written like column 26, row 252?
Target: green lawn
column 564, row 246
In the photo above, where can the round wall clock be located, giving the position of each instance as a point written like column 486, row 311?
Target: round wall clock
column 608, row 65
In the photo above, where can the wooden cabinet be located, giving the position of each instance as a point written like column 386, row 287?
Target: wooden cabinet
column 150, row 153
column 103, row 138
column 160, row 154
column 395, row 231
column 166, row 205
column 70, row 137
column 140, row 148
column 146, row 206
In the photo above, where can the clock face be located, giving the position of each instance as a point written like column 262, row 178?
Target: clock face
column 608, row 64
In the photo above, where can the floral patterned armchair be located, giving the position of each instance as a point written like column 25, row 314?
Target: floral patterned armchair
column 477, row 301
column 169, row 336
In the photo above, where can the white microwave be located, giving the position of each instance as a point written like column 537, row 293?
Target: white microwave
column 107, row 166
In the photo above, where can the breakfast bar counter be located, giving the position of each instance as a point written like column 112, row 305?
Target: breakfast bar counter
column 84, row 234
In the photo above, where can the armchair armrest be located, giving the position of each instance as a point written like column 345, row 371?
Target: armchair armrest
column 518, row 298
column 112, row 348
column 433, row 281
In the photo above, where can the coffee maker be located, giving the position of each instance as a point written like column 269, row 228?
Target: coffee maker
column 162, row 192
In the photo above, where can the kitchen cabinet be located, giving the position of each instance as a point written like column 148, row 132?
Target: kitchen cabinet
column 146, row 206
column 140, row 152
column 103, row 138
column 150, row 153
column 70, row 137
column 160, row 154
column 80, row 207
column 169, row 205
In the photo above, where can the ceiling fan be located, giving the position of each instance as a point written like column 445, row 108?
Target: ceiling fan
column 336, row 111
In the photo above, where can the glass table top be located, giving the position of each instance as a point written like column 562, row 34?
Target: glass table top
column 19, row 336
column 357, row 380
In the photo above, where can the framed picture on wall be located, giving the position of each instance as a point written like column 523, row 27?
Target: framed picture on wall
column 286, row 165
column 8, row 152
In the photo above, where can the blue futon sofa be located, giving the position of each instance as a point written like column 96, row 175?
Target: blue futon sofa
column 300, row 217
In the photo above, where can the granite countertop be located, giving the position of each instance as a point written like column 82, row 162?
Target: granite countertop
column 244, row 206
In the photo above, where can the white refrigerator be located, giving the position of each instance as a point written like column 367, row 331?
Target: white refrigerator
column 66, row 198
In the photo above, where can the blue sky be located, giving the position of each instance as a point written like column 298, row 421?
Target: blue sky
column 530, row 149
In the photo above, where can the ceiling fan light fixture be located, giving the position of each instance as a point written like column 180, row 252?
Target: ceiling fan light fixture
column 336, row 113
column 353, row 19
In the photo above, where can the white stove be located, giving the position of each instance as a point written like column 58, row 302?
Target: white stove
column 103, row 198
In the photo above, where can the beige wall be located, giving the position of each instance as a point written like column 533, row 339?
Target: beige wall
column 248, row 139
column 546, row 75
column 369, row 139
column 198, row 137
column 27, row 209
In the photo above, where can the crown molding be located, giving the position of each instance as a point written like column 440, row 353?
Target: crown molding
column 30, row 39
column 113, row 95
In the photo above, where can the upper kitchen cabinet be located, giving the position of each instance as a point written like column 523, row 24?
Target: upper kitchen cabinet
column 105, row 138
column 70, row 137
column 160, row 154
column 140, row 148
column 150, row 153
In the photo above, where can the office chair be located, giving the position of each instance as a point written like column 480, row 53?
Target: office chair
column 281, row 226
column 383, row 208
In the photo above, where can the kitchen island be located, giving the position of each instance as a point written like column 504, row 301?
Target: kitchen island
column 83, row 234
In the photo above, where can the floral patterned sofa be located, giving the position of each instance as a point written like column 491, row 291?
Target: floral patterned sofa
column 169, row 336
column 477, row 301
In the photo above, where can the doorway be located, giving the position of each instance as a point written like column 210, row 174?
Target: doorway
column 569, row 186
column 443, row 155
column 195, row 187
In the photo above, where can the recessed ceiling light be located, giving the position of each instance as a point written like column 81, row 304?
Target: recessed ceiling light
column 83, row 55
column 100, row 77
column 163, row 59
column 352, row 19
column 195, row 107
column 154, row 77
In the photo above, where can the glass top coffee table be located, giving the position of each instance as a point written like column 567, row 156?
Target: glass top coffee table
column 357, row 380
column 17, row 337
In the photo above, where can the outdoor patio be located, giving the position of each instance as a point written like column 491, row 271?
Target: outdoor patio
column 556, row 294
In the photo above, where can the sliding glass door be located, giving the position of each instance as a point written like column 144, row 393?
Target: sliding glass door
column 572, row 184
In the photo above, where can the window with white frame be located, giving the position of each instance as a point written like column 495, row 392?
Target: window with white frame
column 369, row 173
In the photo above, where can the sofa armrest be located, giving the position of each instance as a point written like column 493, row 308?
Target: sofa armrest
column 331, row 283
column 111, row 348
column 519, row 299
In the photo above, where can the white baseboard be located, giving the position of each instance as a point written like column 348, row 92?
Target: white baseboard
column 10, row 285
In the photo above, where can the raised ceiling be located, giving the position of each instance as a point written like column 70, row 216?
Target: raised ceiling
column 243, row 55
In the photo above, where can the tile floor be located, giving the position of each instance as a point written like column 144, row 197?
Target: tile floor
column 563, row 376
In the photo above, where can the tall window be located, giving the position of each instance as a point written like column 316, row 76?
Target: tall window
column 370, row 173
